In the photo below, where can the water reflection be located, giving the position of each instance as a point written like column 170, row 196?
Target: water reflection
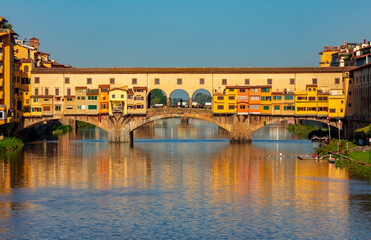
column 177, row 189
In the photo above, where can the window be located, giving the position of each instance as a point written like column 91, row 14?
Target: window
column 89, row 81
column 242, row 107
column 301, row 109
column 82, row 98
column 179, row 81
column 266, row 107
column 312, row 98
column 332, row 110
column 104, row 90
column 202, row 81
column 157, row 81
column 337, row 80
column 342, row 101
column 314, row 80
column 255, row 90
column 220, row 107
column 265, row 90
column 276, row 97
column 36, row 91
column 69, row 99
column 92, row 107
column 301, row 98
column 349, row 93
column 130, row 96
column 269, row 81
column 254, row 107
column 104, row 106
column 57, row 92
column 224, row 81
column 341, row 110
column 113, row 96
column 37, row 80
column 122, row 95
column 231, row 98
column 92, row 97
column 292, row 81
column 322, row 109
column 289, row 97
column 312, row 109
column 78, row 98
column 349, row 105
column 69, row 107
column 263, row 98
column 69, row 91
column 276, row 107
column 134, row 81
column 231, row 106
column 254, row 98
column 220, row 98
column 112, row 81
column 46, row 91
column 58, row 98
column 350, row 81
column 57, row 107
column 26, row 69
column 247, row 81
column 242, row 90
column 66, row 80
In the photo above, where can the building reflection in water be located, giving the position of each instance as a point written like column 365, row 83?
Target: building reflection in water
column 241, row 178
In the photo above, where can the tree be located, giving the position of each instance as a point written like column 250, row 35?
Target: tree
column 201, row 98
column 8, row 26
column 157, row 97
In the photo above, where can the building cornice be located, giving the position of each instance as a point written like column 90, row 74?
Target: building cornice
column 212, row 70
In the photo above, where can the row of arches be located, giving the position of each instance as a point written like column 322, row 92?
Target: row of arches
column 201, row 98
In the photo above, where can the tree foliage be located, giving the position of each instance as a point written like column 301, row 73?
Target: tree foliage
column 157, row 97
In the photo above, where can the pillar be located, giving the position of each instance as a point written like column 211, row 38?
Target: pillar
column 168, row 102
column 122, row 135
column 241, row 132
column 190, row 102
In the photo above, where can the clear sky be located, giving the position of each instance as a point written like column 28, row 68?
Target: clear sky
column 188, row 33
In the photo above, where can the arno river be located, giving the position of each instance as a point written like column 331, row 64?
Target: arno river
column 179, row 180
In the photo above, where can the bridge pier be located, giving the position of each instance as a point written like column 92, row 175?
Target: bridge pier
column 122, row 135
column 241, row 131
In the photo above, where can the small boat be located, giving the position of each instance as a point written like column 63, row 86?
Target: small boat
column 331, row 159
column 308, row 157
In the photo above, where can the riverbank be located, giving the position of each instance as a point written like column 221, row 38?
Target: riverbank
column 10, row 143
column 80, row 124
column 61, row 129
column 307, row 131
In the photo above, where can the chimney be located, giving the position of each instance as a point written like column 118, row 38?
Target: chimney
column 345, row 43
column 364, row 40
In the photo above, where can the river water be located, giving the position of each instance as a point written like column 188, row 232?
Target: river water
column 179, row 180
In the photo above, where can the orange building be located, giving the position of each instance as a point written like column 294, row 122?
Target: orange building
column 242, row 99
column 254, row 99
column 104, row 99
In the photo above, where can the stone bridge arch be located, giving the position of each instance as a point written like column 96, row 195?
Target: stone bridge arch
column 96, row 120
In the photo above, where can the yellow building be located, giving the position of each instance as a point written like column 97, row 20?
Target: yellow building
column 277, row 103
column 92, row 102
column 118, row 98
column 265, row 100
column 326, row 56
column 103, row 98
column 336, row 103
column 137, row 100
column 225, row 103
column 6, row 72
column 288, row 103
column 306, row 101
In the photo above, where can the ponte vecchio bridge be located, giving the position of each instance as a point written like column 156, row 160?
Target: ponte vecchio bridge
column 55, row 95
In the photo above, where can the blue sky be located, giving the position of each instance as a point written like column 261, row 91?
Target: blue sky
column 188, row 33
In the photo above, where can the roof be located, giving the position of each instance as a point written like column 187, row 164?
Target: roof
column 34, row 38
column 140, row 88
column 3, row 19
column 211, row 70
column 122, row 89
column 81, row 87
column 43, row 53
column 104, row 85
column 312, row 85
column 360, row 67
column 24, row 60
column 277, row 92
column 93, row 92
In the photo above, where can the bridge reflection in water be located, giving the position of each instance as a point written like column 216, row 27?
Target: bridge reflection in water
column 200, row 189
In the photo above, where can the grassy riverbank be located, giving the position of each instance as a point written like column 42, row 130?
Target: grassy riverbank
column 61, row 129
column 307, row 131
column 80, row 124
column 10, row 143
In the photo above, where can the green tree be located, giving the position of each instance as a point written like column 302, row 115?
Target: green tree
column 157, row 97
column 201, row 98
column 8, row 26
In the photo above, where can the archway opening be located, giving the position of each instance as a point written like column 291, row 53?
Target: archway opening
column 179, row 99
column 157, row 98
column 201, row 99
